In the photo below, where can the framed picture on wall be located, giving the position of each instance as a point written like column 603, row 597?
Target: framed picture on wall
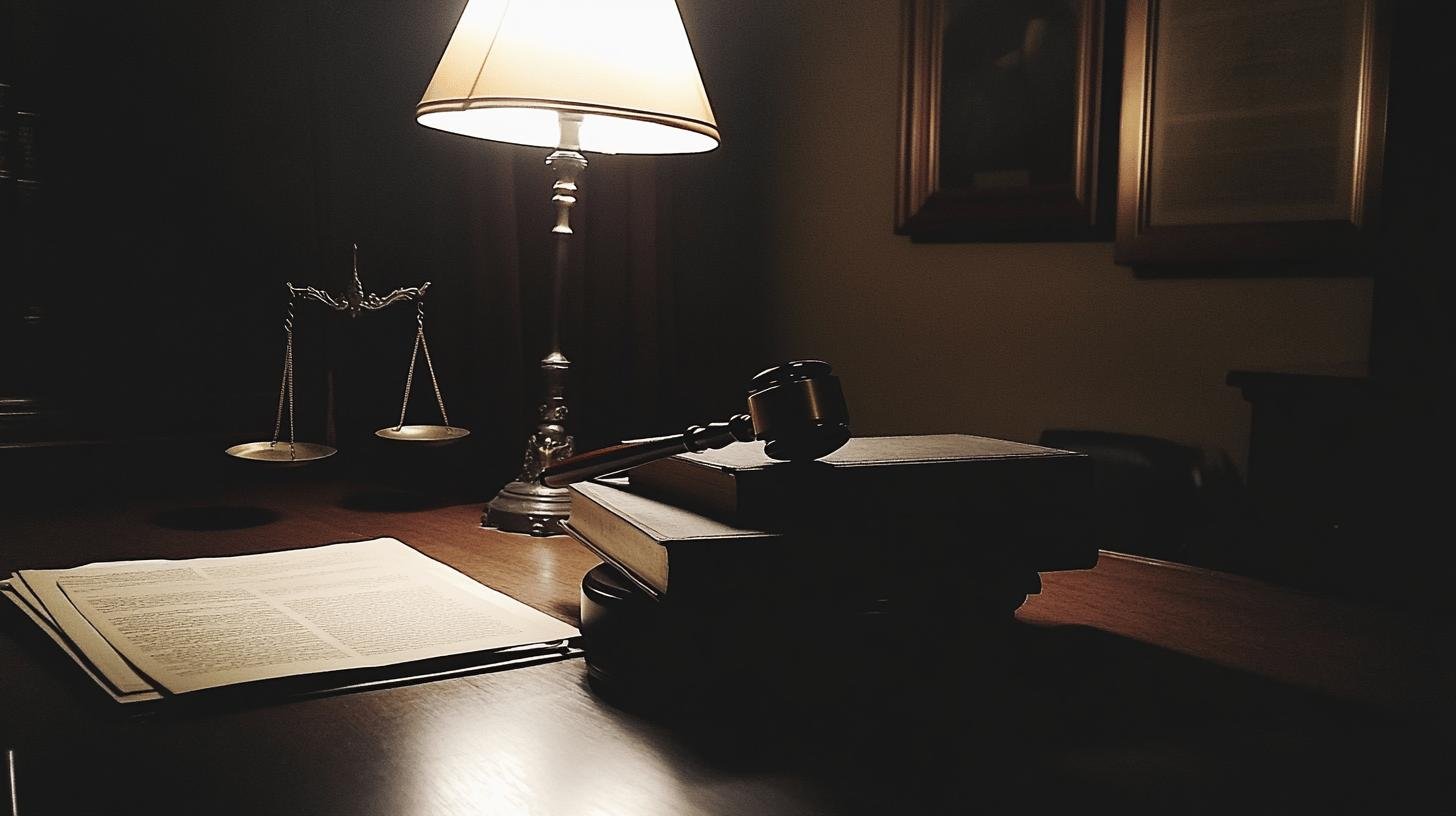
column 1252, row 135
column 1003, row 117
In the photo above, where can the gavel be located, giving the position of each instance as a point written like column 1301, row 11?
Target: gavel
column 797, row 409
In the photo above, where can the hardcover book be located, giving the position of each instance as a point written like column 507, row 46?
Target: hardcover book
column 671, row 550
column 898, row 482
column 662, row 546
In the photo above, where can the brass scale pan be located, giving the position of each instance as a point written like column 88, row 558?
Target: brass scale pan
column 281, row 454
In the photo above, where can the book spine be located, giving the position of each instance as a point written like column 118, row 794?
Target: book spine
column 23, row 223
column 7, row 173
column 612, row 560
column 8, row 69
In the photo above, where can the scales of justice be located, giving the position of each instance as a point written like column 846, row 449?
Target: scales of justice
column 355, row 301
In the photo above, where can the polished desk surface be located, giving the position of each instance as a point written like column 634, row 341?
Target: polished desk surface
column 1137, row 684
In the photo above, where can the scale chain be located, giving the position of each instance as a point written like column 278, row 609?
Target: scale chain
column 282, row 390
column 409, row 378
column 439, row 400
column 286, row 386
column 292, row 436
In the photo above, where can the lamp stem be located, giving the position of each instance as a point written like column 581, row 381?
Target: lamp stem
column 568, row 164
column 526, row 505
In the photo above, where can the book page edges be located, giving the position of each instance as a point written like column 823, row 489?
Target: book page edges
column 873, row 451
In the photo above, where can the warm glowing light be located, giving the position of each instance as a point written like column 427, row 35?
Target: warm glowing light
column 624, row 66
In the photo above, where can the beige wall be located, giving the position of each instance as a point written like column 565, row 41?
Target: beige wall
column 995, row 339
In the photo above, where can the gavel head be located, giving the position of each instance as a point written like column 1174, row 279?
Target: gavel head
column 798, row 409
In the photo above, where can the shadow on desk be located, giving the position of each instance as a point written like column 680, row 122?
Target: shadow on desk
column 211, row 518
column 1023, row 718
column 1030, row 717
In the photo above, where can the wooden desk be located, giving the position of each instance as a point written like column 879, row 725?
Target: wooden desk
column 1138, row 684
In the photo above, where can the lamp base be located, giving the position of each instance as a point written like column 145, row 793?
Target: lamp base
column 528, row 507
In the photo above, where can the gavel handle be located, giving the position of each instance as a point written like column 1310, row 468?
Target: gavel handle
column 632, row 453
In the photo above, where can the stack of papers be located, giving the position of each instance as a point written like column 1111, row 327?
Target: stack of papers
column 146, row 630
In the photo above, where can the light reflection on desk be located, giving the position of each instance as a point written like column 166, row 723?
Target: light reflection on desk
column 503, row 748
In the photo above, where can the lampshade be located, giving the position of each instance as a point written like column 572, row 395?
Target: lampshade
column 624, row 66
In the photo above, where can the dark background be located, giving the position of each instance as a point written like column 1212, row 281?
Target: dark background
column 190, row 158
column 194, row 156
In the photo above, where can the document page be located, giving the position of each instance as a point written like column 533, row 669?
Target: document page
column 13, row 591
column 41, row 590
column 207, row 622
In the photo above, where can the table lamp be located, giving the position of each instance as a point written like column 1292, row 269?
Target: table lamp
column 603, row 76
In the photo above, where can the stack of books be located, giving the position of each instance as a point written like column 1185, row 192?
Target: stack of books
column 895, row 519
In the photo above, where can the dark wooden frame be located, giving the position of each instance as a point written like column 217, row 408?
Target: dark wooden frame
column 1064, row 212
column 1316, row 247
